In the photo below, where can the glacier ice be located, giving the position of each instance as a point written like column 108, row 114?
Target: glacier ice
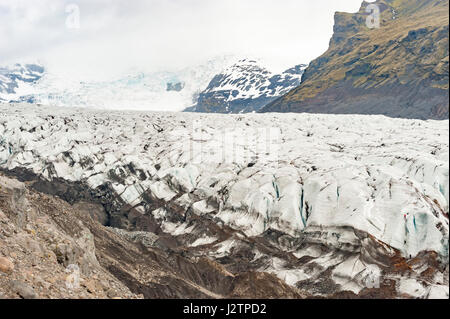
column 335, row 176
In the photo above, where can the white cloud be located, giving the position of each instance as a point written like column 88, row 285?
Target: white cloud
column 116, row 35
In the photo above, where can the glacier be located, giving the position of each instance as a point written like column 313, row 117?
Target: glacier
column 346, row 196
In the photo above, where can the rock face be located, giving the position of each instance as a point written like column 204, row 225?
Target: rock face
column 49, row 249
column 326, row 205
column 398, row 70
column 246, row 87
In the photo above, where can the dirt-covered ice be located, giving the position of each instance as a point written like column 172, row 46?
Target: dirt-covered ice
column 324, row 179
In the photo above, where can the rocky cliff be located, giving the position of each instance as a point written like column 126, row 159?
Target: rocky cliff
column 399, row 69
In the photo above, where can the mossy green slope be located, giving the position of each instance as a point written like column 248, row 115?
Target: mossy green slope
column 399, row 69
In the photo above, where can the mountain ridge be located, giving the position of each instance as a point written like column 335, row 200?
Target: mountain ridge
column 244, row 87
column 398, row 70
column 347, row 200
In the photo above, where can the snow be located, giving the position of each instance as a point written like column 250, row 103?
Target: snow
column 332, row 174
column 249, row 79
column 203, row 241
column 412, row 288
column 18, row 81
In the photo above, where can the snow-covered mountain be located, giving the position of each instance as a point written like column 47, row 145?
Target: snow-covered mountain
column 332, row 205
column 17, row 82
column 217, row 86
column 246, row 86
column 162, row 91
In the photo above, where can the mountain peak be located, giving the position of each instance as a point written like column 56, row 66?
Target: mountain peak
column 399, row 69
column 246, row 86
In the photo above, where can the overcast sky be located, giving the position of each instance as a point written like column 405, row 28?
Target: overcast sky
column 117, row 35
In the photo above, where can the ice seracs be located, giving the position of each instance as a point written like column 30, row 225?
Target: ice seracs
column 343, row 190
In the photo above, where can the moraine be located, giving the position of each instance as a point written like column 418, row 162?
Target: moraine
column 348, row 204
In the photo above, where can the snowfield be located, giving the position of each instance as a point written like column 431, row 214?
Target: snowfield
column 324, row 179
column 133, row 90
